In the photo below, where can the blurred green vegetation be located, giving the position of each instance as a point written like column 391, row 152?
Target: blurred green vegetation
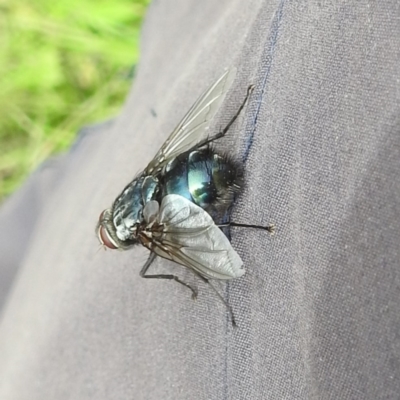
column 64, row 64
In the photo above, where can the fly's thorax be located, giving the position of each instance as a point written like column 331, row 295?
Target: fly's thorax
column 127, row 211
column 208, row 179
column 149, row 188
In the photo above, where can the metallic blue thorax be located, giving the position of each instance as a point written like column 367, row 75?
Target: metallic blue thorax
column 128, row 207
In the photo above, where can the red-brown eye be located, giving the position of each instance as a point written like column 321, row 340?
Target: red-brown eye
column 105, row 238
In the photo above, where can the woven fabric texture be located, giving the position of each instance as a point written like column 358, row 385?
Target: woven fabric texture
column 318, row 309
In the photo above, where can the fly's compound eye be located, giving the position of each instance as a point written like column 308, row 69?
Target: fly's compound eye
column 102, row 233
column 105, row 238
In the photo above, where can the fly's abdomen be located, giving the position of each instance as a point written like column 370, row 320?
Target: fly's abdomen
column 201, row 182
column 175, row 177
column 204, row 177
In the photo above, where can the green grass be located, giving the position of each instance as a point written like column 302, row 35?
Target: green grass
column 64, row 64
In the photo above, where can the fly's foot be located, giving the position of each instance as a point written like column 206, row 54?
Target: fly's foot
column 194, row 291
column 271, row 229
column 194, row 295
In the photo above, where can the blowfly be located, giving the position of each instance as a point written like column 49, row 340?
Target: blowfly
column 176, row 205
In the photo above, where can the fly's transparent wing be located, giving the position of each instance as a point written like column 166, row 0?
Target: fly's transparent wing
column 191, row 238
column 193, row 126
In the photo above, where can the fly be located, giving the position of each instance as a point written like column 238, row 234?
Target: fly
column 175, row 207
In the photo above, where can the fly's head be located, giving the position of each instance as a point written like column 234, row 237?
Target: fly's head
column 107, row 233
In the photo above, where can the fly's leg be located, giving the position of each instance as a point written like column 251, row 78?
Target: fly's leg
column 228, row 307
column 149, row 261
column 152, row 257
column 146, row 266
column 222, row 133
column 269, row 228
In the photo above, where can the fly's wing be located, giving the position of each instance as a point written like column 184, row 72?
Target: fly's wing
column 191, row 130
column 191, row 238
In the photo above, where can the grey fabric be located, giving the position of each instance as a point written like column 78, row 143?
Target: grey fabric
column 318, row 310
column 18, row 218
